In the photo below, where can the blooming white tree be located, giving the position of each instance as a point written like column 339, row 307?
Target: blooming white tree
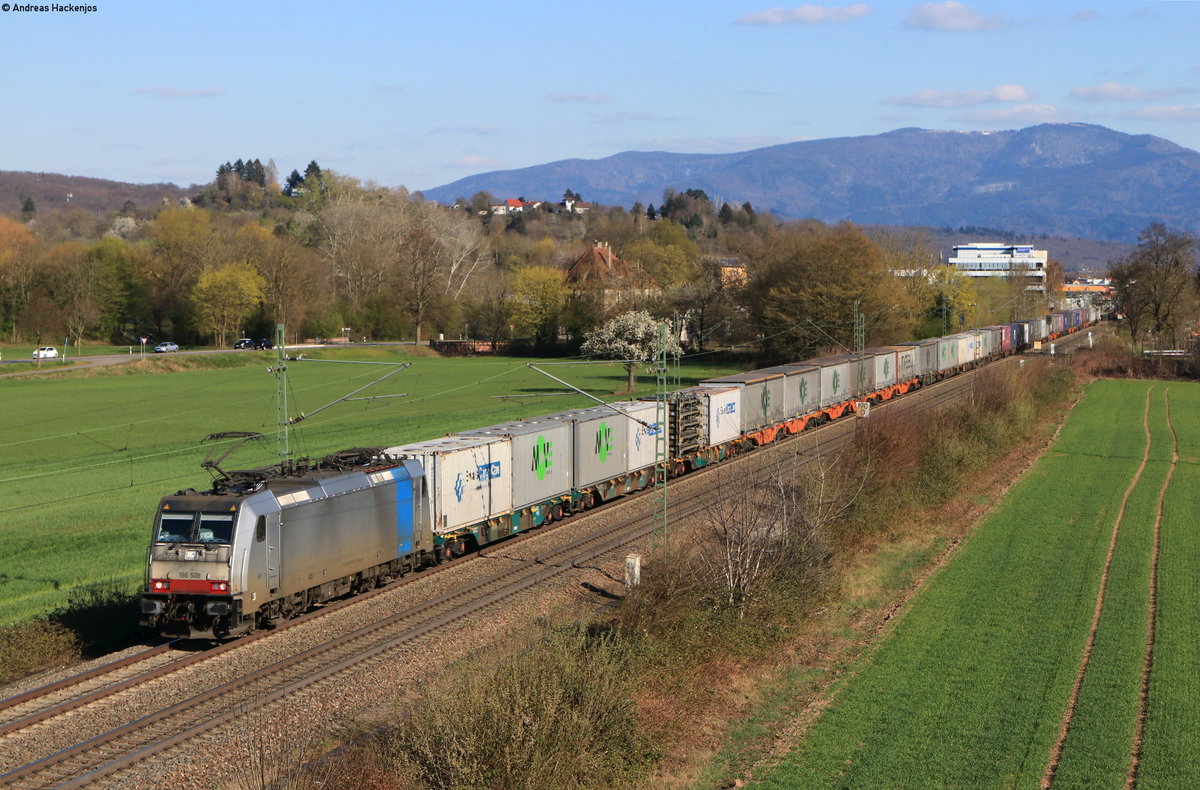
column 633, row 337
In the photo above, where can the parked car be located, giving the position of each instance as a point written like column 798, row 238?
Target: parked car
column 245, row 342
column 46, row 352
column 167, row 347
column 263, row 344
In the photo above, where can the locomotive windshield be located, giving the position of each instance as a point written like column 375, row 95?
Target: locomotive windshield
column 179, row 527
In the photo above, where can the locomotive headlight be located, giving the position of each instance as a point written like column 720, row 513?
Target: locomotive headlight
column 219, row 586
column 191, row 554
column 160, row 585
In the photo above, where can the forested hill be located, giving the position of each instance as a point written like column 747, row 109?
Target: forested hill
column 1056, row 179
column 51, row 191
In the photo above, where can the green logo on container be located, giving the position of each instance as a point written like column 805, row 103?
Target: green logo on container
column 604, row 442
column 543, row 457
column 837, row 381
column 887, row 368
column 804, row 390
column 766, row 398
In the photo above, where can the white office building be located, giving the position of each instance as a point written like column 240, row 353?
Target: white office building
column 988, row 259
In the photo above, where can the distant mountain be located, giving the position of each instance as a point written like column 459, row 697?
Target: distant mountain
column 51, row 191
column 1057, row 179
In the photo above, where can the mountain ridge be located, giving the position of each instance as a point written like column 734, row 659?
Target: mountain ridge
column 1073, row 179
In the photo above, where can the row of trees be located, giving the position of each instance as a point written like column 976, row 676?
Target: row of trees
column 387, row 264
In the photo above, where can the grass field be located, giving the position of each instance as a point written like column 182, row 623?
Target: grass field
column 85, row 456
column 971, row 686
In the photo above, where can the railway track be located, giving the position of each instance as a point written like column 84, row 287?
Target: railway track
column 99, row 761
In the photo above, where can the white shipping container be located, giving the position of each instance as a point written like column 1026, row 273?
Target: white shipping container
column 883, row 364
column 541, row 450
column 724, row 414
column 835, row 380
column 801, row 388
column 468, row 480
column 641, row 447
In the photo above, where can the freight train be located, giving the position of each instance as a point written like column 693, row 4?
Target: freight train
column 263, row 545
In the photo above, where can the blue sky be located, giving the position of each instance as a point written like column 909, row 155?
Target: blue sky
column 421, row 94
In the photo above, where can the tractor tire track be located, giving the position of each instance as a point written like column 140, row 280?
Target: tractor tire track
column 1073, row 700
column 1152, row 614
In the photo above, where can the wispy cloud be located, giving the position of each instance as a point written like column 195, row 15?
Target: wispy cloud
column 806, row 14
column 1022, row 113
column 167, row 92
column 479, row 130
column 936, row 98
column 579, row 98
column 696, row 145
column 1115, row 91
column 950, row 16
column 473, row 162
column 1176, row 112
column 624, row 117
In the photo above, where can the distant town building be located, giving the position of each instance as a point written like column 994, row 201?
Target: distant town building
column 611, row 283
column 988, row 259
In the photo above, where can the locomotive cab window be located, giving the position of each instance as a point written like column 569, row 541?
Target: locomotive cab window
column 175, row 528
column 260, row 529
column 215, row 528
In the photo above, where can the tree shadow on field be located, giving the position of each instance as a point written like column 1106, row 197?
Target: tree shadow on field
column 103, row 615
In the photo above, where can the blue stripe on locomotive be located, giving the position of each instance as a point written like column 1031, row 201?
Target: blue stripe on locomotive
column 404, row 511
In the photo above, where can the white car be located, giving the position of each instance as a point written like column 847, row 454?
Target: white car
column 46, row 352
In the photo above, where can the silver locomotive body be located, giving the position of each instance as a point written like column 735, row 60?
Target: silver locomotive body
column 224, row 562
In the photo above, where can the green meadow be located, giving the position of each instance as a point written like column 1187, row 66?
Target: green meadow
column 970, row 687
column 85, row 456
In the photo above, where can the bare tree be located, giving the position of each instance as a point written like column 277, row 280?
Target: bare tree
column 776, row 534
column 1156, row 285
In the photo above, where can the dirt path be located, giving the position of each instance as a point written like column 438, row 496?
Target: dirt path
column 1152, row 614
column 1072, row 702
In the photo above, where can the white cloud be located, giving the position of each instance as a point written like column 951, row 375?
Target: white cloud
column 1115, row 91
column 622, row 117
column 936, row 98
column 167, row 92
column 579, row 98
column 697, row 145
column 1176, row 112
column 806, row 14
column 480, row 130
column 1022, row 113
column 472, row 161
column 951, row 16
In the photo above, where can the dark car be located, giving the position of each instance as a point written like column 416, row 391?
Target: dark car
column 245, row 342
column 263, row 344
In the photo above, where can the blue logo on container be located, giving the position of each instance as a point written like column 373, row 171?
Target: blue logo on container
column 728, row 408
column 458, row 487
column 488, row 471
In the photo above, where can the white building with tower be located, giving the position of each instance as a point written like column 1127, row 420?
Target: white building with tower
column 988, row 259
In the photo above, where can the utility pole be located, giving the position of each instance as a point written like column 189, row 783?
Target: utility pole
column 860, row 342
column 661, row 447
column 283, row 448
